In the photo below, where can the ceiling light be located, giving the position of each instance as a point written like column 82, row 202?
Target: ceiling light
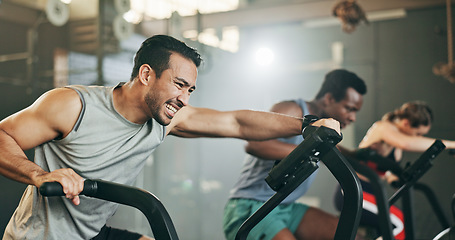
column 264, row 56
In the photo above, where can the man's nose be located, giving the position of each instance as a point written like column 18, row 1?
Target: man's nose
column 352, row 117
column 184, row 98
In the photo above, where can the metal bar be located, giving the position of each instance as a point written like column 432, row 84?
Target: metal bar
column 352, row 198
column 155, row 212
column 100, row 49
column 146, row 202
column 14, row 57
column 434, row 203
column 380, row 195
column 301, row 163
column 408, row 212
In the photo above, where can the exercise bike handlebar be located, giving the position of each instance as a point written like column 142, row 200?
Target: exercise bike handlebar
column 155, row 212
column 408, row 178
column 306, row 155
column 318, row 145
column 414, row 172
column 54, row 189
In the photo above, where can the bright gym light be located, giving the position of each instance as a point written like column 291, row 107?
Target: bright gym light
column 264, row 56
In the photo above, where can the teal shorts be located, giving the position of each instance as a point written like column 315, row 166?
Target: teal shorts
column 283, row 216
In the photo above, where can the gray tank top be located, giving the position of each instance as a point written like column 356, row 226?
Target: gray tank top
column 102, row 145
column 252, row 184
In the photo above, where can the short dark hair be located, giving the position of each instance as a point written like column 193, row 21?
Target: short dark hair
column 338, row 81
column 156, row 51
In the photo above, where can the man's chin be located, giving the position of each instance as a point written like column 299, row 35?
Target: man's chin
column 164, row 122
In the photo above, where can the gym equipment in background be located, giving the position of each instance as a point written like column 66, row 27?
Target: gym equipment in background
column 406, row 185
column 289, row 173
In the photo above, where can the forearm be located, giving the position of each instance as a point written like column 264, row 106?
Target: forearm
column 14, row 164
column 269, row 150
column 421, row 144
column 449, row 144
column 243, row 124
column 256, row 125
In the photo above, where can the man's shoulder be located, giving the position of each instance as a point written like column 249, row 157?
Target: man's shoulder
column 58, row 96
column 87, row 87
column 289, row 107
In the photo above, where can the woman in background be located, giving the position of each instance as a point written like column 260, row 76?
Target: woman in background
column 400, row 130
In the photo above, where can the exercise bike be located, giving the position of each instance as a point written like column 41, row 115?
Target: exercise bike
column 408, row 182
column 319, row 145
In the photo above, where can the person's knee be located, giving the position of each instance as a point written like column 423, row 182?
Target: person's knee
column 317, row 224
column 317, row 215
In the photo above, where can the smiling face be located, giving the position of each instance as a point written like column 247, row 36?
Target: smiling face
column 169, row 93
column 344, row 111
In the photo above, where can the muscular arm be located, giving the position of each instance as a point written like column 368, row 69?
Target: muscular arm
column 274, row 149
column 243, row 124
column 52, row 115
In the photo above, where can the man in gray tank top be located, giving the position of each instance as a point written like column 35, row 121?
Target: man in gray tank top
column 340, row 97
column 81, row 132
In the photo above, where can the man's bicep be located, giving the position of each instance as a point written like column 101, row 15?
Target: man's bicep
column 203, row 122
column 27, row 130
column 180, row 123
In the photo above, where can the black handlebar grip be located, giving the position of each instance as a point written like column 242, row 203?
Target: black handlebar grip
column 308, row 130
column 52, row 189
column 328, row 134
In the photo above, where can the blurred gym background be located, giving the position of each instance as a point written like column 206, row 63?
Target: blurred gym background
column 256, row 52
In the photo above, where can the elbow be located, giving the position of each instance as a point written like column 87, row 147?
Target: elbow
column 251, row 152
column 250, row 149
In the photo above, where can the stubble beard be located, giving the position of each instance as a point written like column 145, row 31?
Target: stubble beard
column 156, row 110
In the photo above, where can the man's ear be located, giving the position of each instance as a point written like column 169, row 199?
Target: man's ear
column 146, row 74
column 328, row 99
